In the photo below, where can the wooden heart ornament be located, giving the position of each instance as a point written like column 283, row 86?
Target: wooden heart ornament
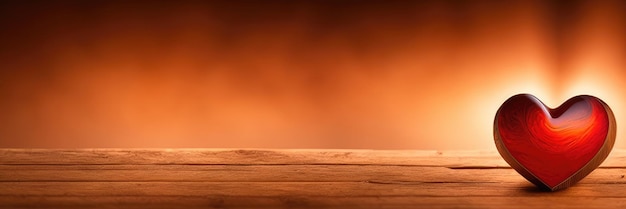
column 554, row 148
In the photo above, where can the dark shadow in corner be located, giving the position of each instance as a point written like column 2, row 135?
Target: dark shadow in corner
column 530, row 188
column 533, row 189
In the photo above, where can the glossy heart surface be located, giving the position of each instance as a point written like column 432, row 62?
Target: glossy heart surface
column 554, row 148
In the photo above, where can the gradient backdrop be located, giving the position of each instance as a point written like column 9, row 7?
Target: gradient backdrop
column 296, row 74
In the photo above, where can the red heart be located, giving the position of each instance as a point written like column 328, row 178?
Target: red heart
column 554, row 148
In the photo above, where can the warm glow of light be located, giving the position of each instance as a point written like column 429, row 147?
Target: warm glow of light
column 380, row 75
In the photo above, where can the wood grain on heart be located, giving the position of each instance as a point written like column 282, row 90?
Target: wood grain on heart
column 554, row 148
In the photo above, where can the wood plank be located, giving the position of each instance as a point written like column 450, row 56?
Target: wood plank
column 246, row 157
column 308, row 202
column 210, row 178
column 266, row 156
column 322, row 189
column 273, row 173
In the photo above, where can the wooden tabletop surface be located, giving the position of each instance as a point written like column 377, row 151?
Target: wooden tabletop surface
column 252, row 178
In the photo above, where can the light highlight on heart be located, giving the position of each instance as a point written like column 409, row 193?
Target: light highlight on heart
column 554, row 148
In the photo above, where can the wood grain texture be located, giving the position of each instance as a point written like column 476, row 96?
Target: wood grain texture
column 217, row 178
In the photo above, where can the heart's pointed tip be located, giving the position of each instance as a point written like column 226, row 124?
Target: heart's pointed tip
column 561, row 187
column 547, row 188
column 554, row 189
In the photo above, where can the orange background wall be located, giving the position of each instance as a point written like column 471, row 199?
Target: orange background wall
column 296, row 74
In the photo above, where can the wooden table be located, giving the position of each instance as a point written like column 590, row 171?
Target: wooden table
column 213, row 178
